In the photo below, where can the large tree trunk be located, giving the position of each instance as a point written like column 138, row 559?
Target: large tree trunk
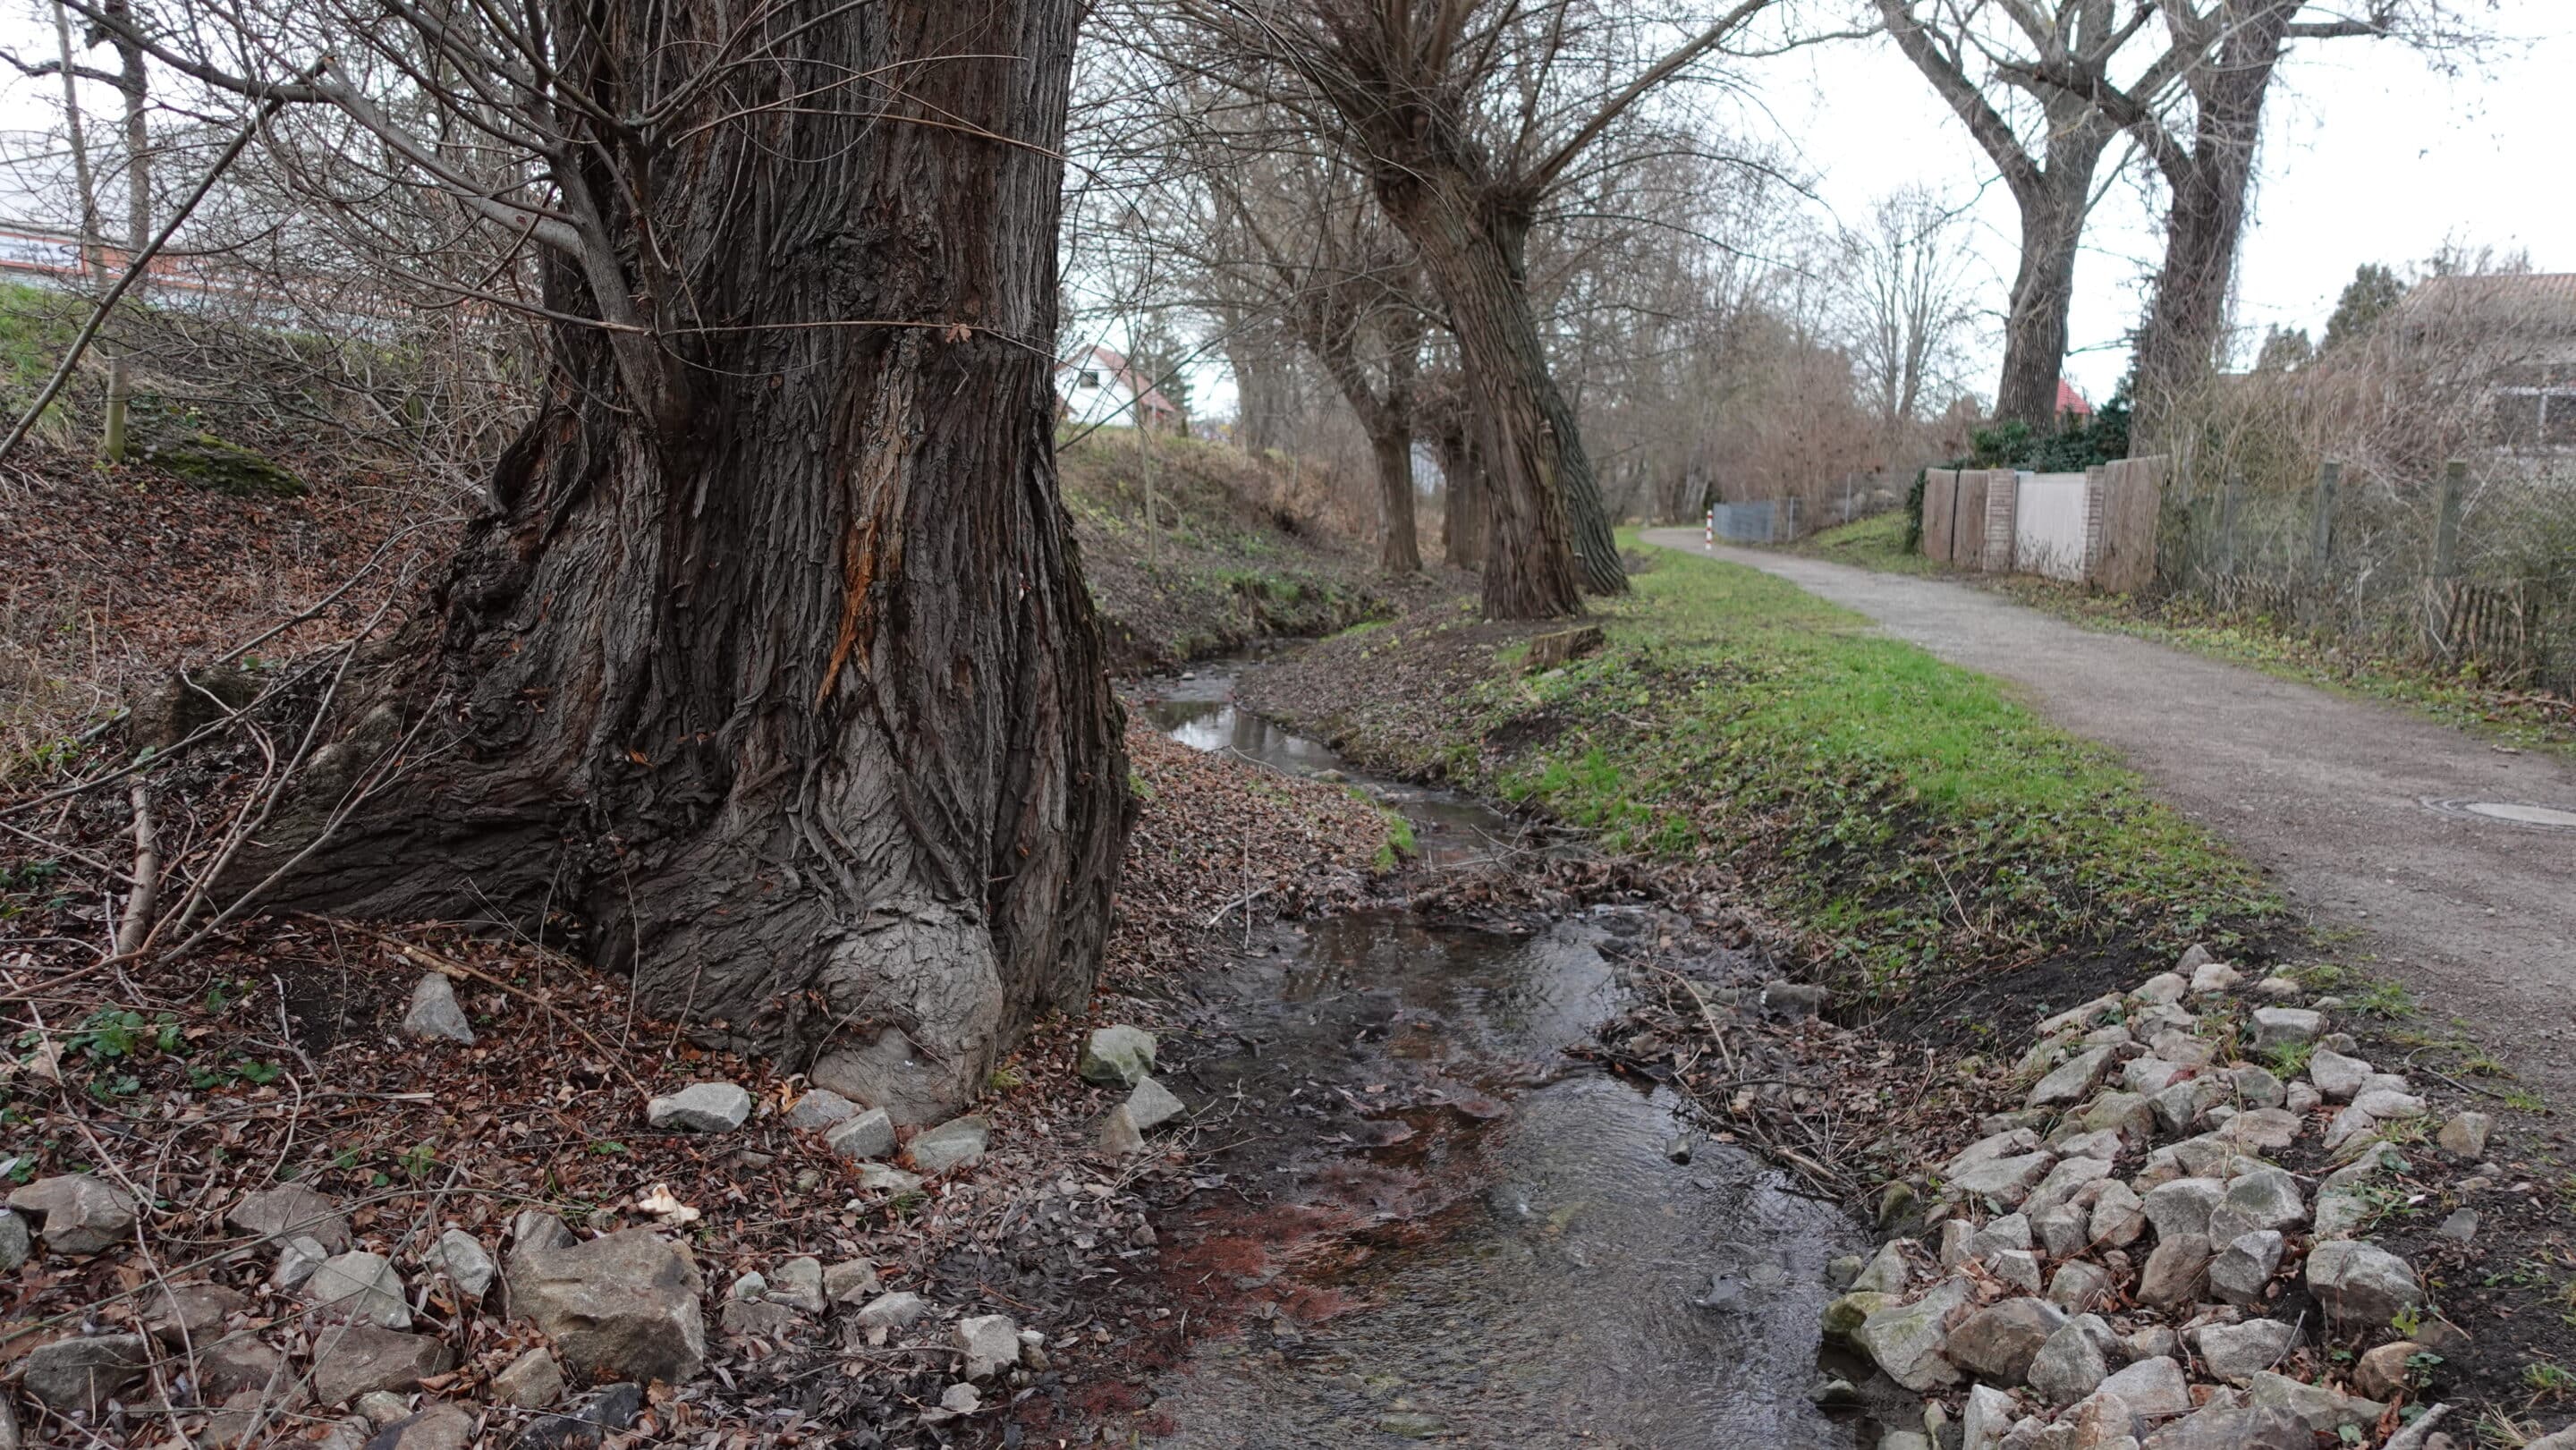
column 1547, row 536
column 2186, row 319
column 1462, row 510
column 2052, row 227
column 1398, row 551
column 786, row 684
column 1264, row 388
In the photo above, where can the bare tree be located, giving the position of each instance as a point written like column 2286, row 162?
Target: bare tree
column 771, row 659
column 2046, row 141
column 1911, row 295
column 1465, row 115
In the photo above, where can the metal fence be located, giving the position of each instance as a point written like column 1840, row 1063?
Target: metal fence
column 2473, row 567
column 1769, row 521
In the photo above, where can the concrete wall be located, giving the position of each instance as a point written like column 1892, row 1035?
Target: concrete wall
column 2050, row 525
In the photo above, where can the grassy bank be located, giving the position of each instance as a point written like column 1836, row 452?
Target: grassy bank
column 1909, row 817
column 1222, row 557
column 2458, row 698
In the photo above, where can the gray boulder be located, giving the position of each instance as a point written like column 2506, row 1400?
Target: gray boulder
column 2465, row 1135
column 2262, row 1427
column 2323, row 1411
column 2010, row 1143
column 851, row 1282
column 1887, row 1272
column 2238, row 1352
column 2072, row 1364
column 461, row 1257
column 2000, row 1341
column 2361, row 1284
column 990, row 1344
column 351, row 1360
column 2075, row 1080
column 891, row 1311
column 820, row 1109
column 534, row 1228
column 1905, row 1340
column 1118, row 1133
column 2176, row 1272
column 1988, row 1416
column 2244, row 1268
column 2119, row 1215
column 2182, row 1206
column 865, row 1136
column 434, row 1014
column 297, row 1258
column 2287, row 1026
column 2002, row 1181
column 83, row 1214
column 2078, row 1286
column 16, row 1241
column 799, row 1285
column 2063, row 1180
column 626, row 1306
column 2336, row 1076
column 293, row 1211
column 706, row 1107
column 957, row 1143
column 360, row 1287
column 80, row 1374
column 532, row 1382
column 2264, row 1198
column 1152, row 1105
column 1118, row 1056
column 438, row 1427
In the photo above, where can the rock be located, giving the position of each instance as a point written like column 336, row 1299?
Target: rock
column 754, row 1285
column 1990, row 1412
column 2071, row 1365
column 799, row 1285
column 2012, row 1231
column 2353, row 1125
column 1898, row 1206
column 2183, row 1206
column 2073, row 1081
column 380, row 1408
column 957, row 1143
column 2383, row 1373
column 609, row 1411
column 1887, row 1273
column 2078, row 1286
column 2017, row 1267
column 2264, row 1198
column 1843, row 1316
column 2179, row 1106
column 1119, row 1135
column 626, row 1305
column 2182, row 1048
column 2258, row 1087
column 755, row 1318
column 2360, row 1284
column 532, row 1382
column 1118, row 1056
column 1784, row 998
column 1905, row 1340
column 434, row 1014
column 2161, row 990
column 878, row 1178
column 2151, row 1388
column 2146, row 1076
column 2238, row 1352
column 850, row 1282
column 2082, row 1015
column 1999, row 1341
column 2176, row 1272
column 439, row 1427
column 2119, row 1215
column 2069, row 1175
column 15, row 1243
column 706, row 1107
column 965, row 1399
column 2465, row 1135
column 892, row 1311
column 352, row 1360
column 990, row 1342
column 186, row 1314
column 2459, row 1226
column 534, row 1228
column 2262, row 1130
column 460, row 1256
column 1842, row 1269
column 818, row 1109
column 2152, row 1342
column 1958, row 1243
column 2010, row 1143
column 2301, row 1097
column 2214, row 977
column 2286, row 1026
column 2324, row 1411
column 2389, row 1106
column 2261, row 1427
column 2244, row 1268
column 80, row 1374
column 238, row 1362
column 2003, row 1181
column 83, row 1214
column 297, row 1258
column 361, row 1287
column 293, row 1211
column 865, row 1136
column 2277, row 987
column 2061, row 1230
column 2336, row 1076
column 1152, row 1105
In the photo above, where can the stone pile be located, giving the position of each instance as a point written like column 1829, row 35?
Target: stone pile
column 2105, row 1269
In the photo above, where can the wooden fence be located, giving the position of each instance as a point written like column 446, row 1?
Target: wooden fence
column 2097, row 528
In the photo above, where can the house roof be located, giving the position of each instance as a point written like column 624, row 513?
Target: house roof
column 1116, row 365
column 2071, row 401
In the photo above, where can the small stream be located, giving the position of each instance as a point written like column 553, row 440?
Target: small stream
column 1426, row 1222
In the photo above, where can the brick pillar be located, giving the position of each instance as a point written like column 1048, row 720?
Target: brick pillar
column 2003, row 495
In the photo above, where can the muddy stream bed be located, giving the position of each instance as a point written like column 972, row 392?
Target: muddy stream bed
column 1425, row 1221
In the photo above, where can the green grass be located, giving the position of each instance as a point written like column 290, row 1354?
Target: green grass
column 1876, row 542
column 1903, row 807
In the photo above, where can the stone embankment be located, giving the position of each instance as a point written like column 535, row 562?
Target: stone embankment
column 2169, row 1245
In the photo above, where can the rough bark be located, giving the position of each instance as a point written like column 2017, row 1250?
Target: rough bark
column 783, row 681
column 1398, row 549
column 2035, row 330
column 1462, row 512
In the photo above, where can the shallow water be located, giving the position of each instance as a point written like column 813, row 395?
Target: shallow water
column 1448, row 1229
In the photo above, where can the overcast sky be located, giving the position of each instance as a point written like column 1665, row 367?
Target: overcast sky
column 2369, row 156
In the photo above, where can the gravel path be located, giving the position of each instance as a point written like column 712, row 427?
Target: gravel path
column 2330, row 794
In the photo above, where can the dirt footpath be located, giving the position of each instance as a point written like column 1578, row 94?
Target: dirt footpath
column 2335, row 796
